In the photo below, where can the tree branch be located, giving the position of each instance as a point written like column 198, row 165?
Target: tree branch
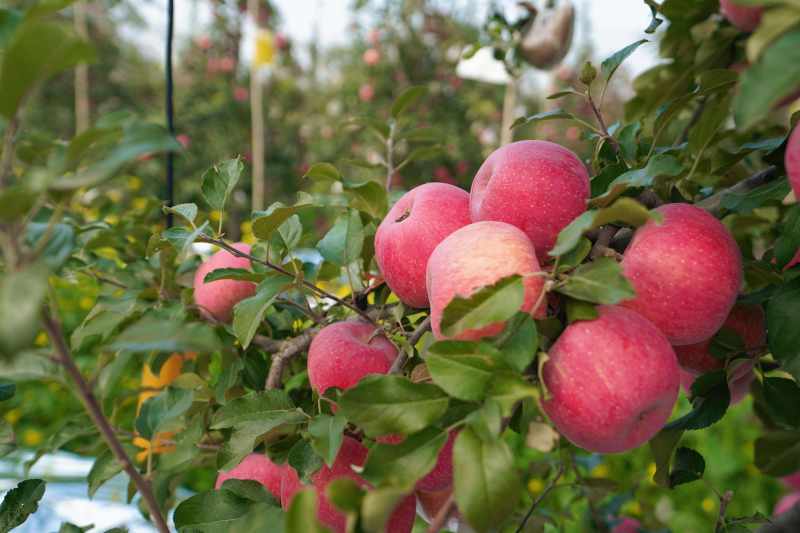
column 441, row 517
column 92, row 274
column 723, row 506
column 541, row 497
column 711, row 204
column 599, row 116
column 291, row 349
column 402, row 357
column 601, row 245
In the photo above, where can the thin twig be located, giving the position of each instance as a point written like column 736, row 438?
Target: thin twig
column 442, row 515
column 601, row 245
column 402, row 357
column 91, row 273
column 541, row 497
column 389, row 158
column 288, row 351
column 724, row 501
column 599, row 116
column 692, row 121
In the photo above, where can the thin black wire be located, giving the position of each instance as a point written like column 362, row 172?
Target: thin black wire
column 170, row 128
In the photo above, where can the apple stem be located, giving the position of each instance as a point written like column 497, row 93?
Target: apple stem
column 541, row 497
column 402, row 357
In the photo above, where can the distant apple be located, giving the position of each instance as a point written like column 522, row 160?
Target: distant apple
column 786, row 503
column 371, row 57
column 746, row 18
column 367, row 92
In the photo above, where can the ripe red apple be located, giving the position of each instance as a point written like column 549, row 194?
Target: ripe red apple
column 344, row 352
column 686, row 273
column 406, row 238
column 792, row 162
column 352, row 453
column 371, row 57
column 476, row 256
column 613, row 380
column 628, row 525
column 537, row 186
column 441, row 476
column 749, row 322
column 366, row 92
column 258, row 467
column 218, row 297
column 746, row 18
column 786, row 503
column 793, row 481
column 739, row 387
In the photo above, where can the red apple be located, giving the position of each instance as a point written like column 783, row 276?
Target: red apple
column 367, row 92
column 613, row 381
column 441, row 476
column 537, row 186
column 739, row 387
column 344, row 352
column 258, row 467
column 406, row 238
column 352, row 453
column 749, row 322
column 686, row 273
column 792, row 163
column 371, row 57
column 476, row 256
column 628, row 525
column 746, row 18
column 218, row 297
column 793, row 481
column 786, row 503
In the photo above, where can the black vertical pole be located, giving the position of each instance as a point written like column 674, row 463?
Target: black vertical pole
column 170, row 154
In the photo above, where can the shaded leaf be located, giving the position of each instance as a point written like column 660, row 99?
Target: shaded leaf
column 547, row 115
column 687, row 467
column 343, row 243
column 599, row 282
column 405, row 462
column 485, row 306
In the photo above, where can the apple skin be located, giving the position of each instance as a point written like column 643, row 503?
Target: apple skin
column 746, row 18
column 352, row 453
column 476, row 256
column 339, row 356
column 613, row 380
column 686, row 273
column 739, row 387
column 537, row 186
column 258, row 467
column 402, row 249
column 749, row 322
column 441, row 476
column 218, row 297
column 628, row 525
column 786, row 503
column 792, row 163
column 793, row 481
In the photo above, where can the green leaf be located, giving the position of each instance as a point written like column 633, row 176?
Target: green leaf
column 599, row 484
column 519, row 341
column 66, row 527
column 547, row 115
column 487, row 422
column 156, row 244
column 7, row 391
column 19, row 503
column 783, row 326
column 662, row 446
column 265, row 224
column 741, row 204
column 21, row 295
column 783, row 397
column 105, row 467
column 710, row 400
column 609, row 66
column 564, row 92
column 370, row 198
column 658, row 165
column 574, row 257
column 154, row 334
column 486, row 481
column 187, row 211
column 302, row 515
column 345, row 494
column 378, row 505
column 270, row 403
column 722, row 160
column 249, row 434
column 180, row 458
column 507, row 389
column 712, row 119
column 10, row 22
column 725, row 342
column 757, row 518
column 343, row 243
column 378, row 127
column 406, row 462
column 247, row 489
column 326, row 435
column 305, row 461
column 600, row 183
column 406, row 100
column 485, row 306
column 323, row 172
column 288, row 235
column 579, row 310
column 213, row 511
column 392, row 404
column 219, row 181
column 237, row 274
column 160, row 409
column 778, row 454
column 688, row 466
column 247, row 314
column 772, row 78
column 788, row 241
column 181, row 239
column 422, row 154
column 463, row 368
column 424, row 135
column 655, row 22
column 599, row 282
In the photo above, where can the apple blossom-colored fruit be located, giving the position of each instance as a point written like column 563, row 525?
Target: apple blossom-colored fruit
column 414, row 227
column 628, row 525
column 352, row 453
column 258, row 467
column 793, row 481
column 613, row 380
column 792, row 162
column 786, row 503
column 537, row 186
column 476, row 256
column 371, row 57
column 344, row 352
column 751, row 325
column 746, row 18
column 739, row 387
column 441, row 476
column 366, row 92
column 686, row 273
column 217, row 299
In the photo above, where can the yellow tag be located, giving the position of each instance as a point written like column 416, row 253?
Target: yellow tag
column 265, row 48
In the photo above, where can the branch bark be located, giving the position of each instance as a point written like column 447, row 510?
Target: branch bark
column 724, row 501
column 601, row 245
column 711, row 204
column 402, row 357
column 291, row 349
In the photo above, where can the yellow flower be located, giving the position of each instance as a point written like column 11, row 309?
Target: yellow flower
column 709, row 505
column 92, row 213
column 13, row 415
column 41, row 339
column 248, row 238
column 32, row 437
column 134, row 183
column 651, row 471
column 139, row 203
column 245, row 228
column 633, row 508
column 86, row 303
column 535, row 485
column 114, row 195
column 112, row 219
column 601, row 470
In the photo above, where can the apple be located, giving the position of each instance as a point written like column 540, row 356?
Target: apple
column 786, row 503
column 686, row 273
column 792, row 163
column 476, row 256
column 746, row 18
column 344, row 352
column 432, row 502
column 371, row 57
column 406, row 238
column 366, row 92
column 258, row 467
column 628, row 525
column 441, row 476
column 537, row 186
column 352, row 453
column 216, row 299
column 613, row 381
column 793, row 481
column 739, row 387
column 749, row 322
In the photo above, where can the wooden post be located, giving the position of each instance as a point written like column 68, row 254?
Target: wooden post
column 257, row 121
column 81, row 72
column 509, row 101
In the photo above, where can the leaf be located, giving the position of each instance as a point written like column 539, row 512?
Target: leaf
column 540, row 437
column 343, row 243
column 599, row 484
column 326, row 436
column 519, row 341
column 741, row 204
column 655, row 22
column 725, row 341
column 66, row 527
column 783, row 326
column 485, row 306
column 345, row 494
column 7, row 391
column 179, row 459
column 19, row 503
column 392, row 404
column 247, row 314
column 599, row 282
column 705, row 128
column 662, row 446
column 323, row 172
column 688, row 466
column 722, row 160
column 658, row 165
column 507, row 389
column 237, row 274
column 302, row 515
column 378, row 505
column 158, row 410
column 370, row 198
column 378, row 127
column 406, row 462
column 219, row 181
column 213, row 511
column 248, row 489
column 788, row 241
column 783, row 397
column 156, row 244
column 10, row 21
column 600, row 183
column 21, row 298
column 579, row 310
column 265, row 224
column 154, row 334
column 288, row 235
column 486, row 483
column 305, row 461
column 182, row 239
column 424, row 135
column 105, row 467
column 406, row 100
column 710, row 400
column 187, row 211
column 564, row 92
column 609, row 66
column 778, row 454
column 757, row 518
column 772, row 78
column 463, row 368
column 422, row 154
column 547, row 115
column 249, row 434
column 270, row 403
